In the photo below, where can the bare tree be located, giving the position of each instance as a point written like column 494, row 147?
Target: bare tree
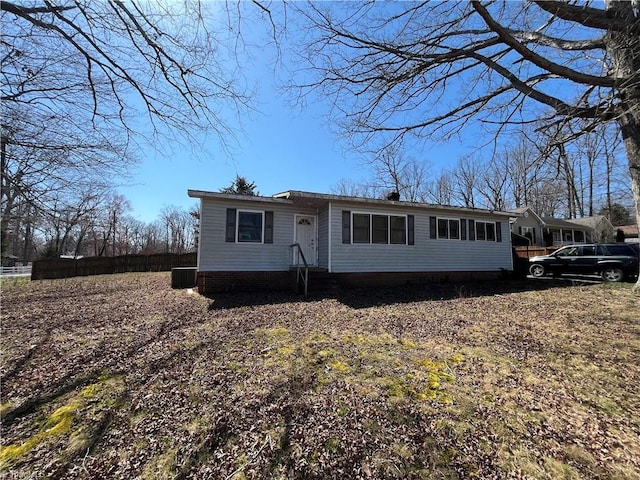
column 389, row 68
column 441, row 190
column 84, row 82
column 390, row 172
column 354, row 188
column 494, row 184
column 393, row 171
column 64, row 224
column 98, row 59
column 44, row 165
column 180, row 229
column 465, row 180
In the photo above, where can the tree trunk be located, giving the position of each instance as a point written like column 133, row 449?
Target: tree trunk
column 624, row 48
column 631, row 135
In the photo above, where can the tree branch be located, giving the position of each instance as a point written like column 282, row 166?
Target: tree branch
column 536, row 59
column 22, row 11
column 559, row 43
column 584, row 15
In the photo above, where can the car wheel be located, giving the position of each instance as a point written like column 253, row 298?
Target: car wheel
column 612, row 275
column 537, row 270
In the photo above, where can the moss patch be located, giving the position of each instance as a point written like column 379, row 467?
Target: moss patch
column 66, row 420
column 379, row 363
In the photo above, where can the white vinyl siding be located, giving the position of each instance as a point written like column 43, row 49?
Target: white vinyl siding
column 323, row 238
column 427, row 255
column 405, row 226
column 216, row 254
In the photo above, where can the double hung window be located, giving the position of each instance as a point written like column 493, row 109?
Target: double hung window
column 448, row 228
column 464, row 229
column 249, row 226
column 486, row 231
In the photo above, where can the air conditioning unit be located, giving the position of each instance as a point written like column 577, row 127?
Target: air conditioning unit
column 183, row 277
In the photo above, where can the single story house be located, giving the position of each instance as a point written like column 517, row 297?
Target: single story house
column 531, row 228
column 255, row 241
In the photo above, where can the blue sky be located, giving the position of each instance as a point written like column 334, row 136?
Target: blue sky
column 279, row 148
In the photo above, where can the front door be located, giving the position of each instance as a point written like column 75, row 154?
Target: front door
column 306, row 237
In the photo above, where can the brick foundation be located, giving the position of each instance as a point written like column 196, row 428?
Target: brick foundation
column 212, row 282
column 391, row 279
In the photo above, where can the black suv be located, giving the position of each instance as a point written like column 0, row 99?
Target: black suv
column 613, row 261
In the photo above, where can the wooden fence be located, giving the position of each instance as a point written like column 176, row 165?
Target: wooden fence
column 534, row 251
column 69, row 267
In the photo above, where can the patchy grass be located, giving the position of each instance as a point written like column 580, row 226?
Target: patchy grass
column 11, row 282
column 122, row 377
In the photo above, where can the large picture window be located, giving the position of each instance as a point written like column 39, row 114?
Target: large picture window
column 464, row 229
column 380, row 229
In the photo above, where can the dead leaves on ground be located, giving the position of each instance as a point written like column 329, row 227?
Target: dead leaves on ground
column 122, row 377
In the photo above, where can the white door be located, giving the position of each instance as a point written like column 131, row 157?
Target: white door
column 306, row 237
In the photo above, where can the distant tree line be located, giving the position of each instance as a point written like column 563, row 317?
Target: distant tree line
column 98, row 225
column 585, row 178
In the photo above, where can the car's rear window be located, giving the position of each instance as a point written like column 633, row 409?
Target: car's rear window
column 619, row 250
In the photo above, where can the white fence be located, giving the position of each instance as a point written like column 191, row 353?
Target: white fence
column 5, row 271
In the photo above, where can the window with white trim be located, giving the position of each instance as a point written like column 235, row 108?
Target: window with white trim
column 379, row 228
column 361, row 228
column 250, row 226
column 449, row 228
column 528, row 232
column 486, row 231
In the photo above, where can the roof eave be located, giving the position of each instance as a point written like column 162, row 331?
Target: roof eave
column 290, row 194
column 235, row 197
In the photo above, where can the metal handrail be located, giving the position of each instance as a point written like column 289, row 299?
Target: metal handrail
column 299, row 274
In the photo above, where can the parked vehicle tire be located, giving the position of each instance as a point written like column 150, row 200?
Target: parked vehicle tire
column 537, row 270
column 612, row 274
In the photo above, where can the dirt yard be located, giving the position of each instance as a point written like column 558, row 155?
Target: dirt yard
column 122, row 377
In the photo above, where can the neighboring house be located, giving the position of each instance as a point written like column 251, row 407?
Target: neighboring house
column 250, row 241
column 600, row 228
column 8, row 260
column 542, row 231
column 630, row 233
